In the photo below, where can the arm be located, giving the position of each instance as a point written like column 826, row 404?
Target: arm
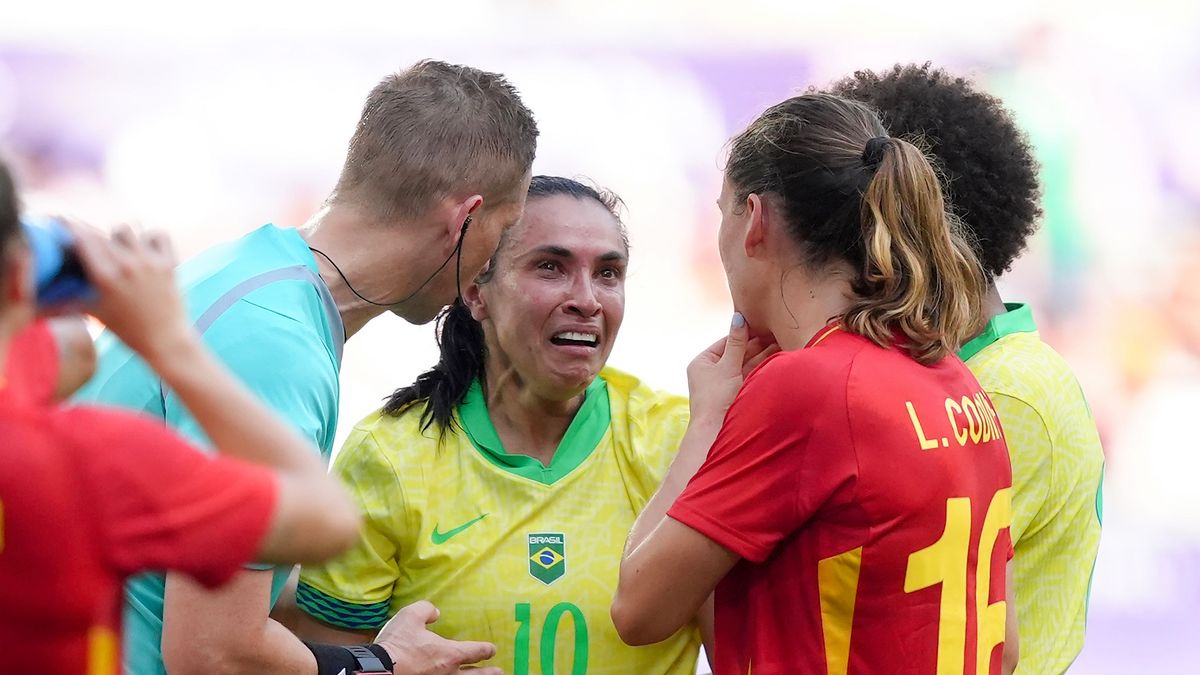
column 668, row 565
column 229, row 629
column 674, row 571
column 666, row 425
column 233, row 648
column 231, row 624
column 285, row 610
column 666, row 561
column 714, row 379
column 50, row 359
column 76, row 354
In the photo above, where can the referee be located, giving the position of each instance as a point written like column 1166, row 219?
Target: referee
column 437, row 167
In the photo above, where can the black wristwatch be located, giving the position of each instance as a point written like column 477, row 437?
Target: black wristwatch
column 368, row 663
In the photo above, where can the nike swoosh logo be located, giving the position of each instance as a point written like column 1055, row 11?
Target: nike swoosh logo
column 442, row 537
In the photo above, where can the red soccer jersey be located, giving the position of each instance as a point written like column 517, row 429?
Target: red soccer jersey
column 89, row 496
column 31, row 370
column 868, row 496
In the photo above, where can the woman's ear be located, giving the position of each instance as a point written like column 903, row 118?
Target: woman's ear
column 473, row 298
column 756, row 227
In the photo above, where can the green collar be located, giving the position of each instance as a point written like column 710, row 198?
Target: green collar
column 582, row 436
column 1018, row 319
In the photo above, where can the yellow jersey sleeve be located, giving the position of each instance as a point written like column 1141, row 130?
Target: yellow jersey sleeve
column 1058, row 468
column 1032, row 453
column 354, row 590
column 647, row 426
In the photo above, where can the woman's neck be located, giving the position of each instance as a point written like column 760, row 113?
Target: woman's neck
column 805, row 303
column 527, row 423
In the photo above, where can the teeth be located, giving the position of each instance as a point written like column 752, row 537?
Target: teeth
column 578, row 337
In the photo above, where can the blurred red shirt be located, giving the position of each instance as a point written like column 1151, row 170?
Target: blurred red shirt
column 31, row 370
column 89, row 496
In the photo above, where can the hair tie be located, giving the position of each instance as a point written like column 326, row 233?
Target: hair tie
column 873, row 153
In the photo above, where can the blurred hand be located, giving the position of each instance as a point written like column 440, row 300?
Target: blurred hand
column 134, row 277
column 716, row 375
column 415, row 650
column 76, row 354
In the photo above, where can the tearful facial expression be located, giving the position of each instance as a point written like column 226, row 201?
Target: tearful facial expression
column 552, row 306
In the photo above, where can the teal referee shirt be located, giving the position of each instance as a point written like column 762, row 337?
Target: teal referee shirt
column 263, row 310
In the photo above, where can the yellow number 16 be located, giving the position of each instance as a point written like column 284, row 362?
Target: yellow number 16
column 945, row 562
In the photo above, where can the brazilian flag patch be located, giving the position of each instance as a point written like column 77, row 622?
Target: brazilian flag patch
column 547, row 556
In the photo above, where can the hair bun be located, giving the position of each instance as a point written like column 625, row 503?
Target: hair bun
column 873, row 152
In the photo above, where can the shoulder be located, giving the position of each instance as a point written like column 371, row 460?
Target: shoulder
column 636, row 398
column 646, row 423
column 812, row 373
column 383, row 442
column 1026, row 370
column 261, row 344
column 266, row 276
column 250, row 316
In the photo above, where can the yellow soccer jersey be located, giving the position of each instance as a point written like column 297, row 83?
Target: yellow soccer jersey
column 513, row 552
column 1058, row 469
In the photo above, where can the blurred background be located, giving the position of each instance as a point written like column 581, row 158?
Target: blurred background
column 209, row 119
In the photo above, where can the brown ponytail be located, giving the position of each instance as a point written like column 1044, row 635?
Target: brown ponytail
column 919, row 276
column 850, row 192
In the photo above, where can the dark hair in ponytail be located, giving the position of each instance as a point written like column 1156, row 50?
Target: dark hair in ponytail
column 850, row 192
column 463, row 352
column 460, row 342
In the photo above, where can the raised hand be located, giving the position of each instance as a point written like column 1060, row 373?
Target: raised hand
column 134, row 278
column 716, row 375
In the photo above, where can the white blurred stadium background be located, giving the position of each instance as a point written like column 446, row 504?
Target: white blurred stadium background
column 209, row 119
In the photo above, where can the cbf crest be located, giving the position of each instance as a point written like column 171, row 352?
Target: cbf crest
column 547, row 556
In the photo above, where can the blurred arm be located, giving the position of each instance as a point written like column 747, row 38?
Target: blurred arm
column 227, row 630
column 76, row 354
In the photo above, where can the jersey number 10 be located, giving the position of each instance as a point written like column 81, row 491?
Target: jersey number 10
column 548, row 644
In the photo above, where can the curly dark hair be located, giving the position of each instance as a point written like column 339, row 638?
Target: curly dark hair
column 990, row 173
